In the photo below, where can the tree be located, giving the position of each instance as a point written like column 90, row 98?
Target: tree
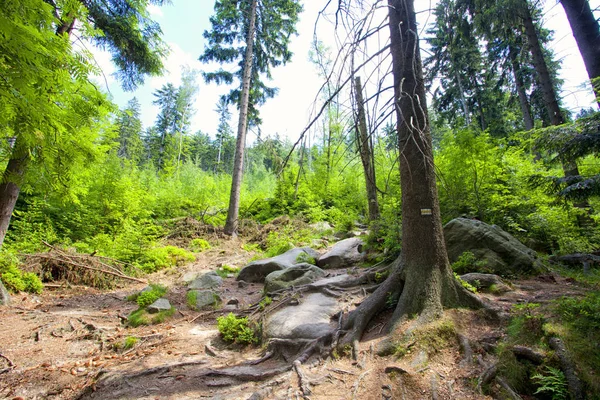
column 46, row 96
column 365, row 149
column 129, row 126
column 422, row 279
column 587, row 35
column 264, row 27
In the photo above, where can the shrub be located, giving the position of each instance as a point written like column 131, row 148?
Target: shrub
column 165, row 257
column 234, row 329
column 16, row 280
column 467, row 262
column 199, row 245
column 142, row 317
column 144, row 299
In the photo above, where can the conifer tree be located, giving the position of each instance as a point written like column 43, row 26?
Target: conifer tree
column 129, row 126
column 264, row 28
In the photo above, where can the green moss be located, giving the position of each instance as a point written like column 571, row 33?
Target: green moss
column 430, row 338
column 142, row 317
column 305, row 258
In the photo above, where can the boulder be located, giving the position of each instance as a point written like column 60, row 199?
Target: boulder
column 158, row 306
column 345, row 253
column 4, row 296
column 485, row 281
column 203, row 299
column 257, row 270
column 209, row 280
column 296, row 275
column 502, row 253
column 309, row 319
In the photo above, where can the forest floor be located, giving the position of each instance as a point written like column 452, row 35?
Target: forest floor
column 67, row 343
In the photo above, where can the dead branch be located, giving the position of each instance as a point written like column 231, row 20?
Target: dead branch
column 356, row 384
column 302, row 381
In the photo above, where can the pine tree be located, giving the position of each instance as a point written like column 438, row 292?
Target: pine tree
column 264, row 27
column 129, row 129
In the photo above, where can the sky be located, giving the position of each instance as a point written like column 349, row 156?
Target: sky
column 184, row 21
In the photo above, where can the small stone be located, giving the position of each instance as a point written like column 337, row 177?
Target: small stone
column 233, row 301
column 158, row 306
column 242, row 284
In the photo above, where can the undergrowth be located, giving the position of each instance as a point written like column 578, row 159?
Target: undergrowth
column 16, row 280
column 236, row 330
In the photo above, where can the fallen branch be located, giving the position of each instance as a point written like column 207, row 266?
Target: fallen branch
column 356, row 384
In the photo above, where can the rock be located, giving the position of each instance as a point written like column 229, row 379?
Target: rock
column 395, row 369
column 345, row 253
column 209, row 280
column 256, row 271
column 502, row 253
column 310, row 319
column 204, row 298
column 321, row 226
column 4, row 296
column 485, row 281
column 242, row 284
column 296, row 275
column 159, row 305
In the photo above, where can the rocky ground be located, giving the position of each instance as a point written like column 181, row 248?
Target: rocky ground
column 68, row 343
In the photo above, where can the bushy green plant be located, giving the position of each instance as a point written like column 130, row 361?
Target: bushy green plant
column 142, row 317
column 198, row 245
column 467, row 262
column 552, row 383
column 165, row 257
column 144, row 299
column 234, row 329
column 128, row 343
column 16, row 280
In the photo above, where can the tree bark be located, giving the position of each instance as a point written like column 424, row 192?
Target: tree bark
column 231, row 223
column 429, row 280
column 11, row 185
column 520, row 86
column 587, row 35
column 366, row 152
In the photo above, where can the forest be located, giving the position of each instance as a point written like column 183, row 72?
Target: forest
column 416, row 127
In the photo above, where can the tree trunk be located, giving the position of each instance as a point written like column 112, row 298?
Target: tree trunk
column 11, row 185
column 520, row 86
column 587, row 35
column 366, row 153
column 549, row 95
column 426, row 269
column 238, row 163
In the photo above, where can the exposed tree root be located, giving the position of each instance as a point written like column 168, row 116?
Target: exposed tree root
column 510, row 391
column 465, row 347
column 529, row 354
column 568, row 368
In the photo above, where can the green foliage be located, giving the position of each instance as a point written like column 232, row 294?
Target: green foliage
column 465, row 284
column 16, row 280
column 526, row 324
column 165, row 257
column 265, row 302
column 128, row 343
column 467, row 262
column 198, row 245
column 145, row 298
column 237, row 330
column 552, row 383
column 142, row 317
column 305, row 258
column 225, row 270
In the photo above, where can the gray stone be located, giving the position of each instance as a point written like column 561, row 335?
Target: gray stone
column 309, row 319
column 502, row 253
column 485, row 281
column 209, row 280
column 256, row 271
column 296, row 275
column 345, row 253
column 205, row 299
column 159, row 305
column 4, row 296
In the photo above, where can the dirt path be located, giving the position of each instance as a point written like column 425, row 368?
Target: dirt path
column 58, row 344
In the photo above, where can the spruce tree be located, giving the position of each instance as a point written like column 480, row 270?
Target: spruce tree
column 264, row 28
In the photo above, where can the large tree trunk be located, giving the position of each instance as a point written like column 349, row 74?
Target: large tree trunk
column 238, row 163
column 429, row 283
column 549, row 95
column 11, row 185
column 520, row 86
column 366, row 152
column 587, row 35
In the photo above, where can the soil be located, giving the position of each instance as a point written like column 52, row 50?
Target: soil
column 67, row 343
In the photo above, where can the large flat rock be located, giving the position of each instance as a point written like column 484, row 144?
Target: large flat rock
column 309, row 319
column 257, row 270
column 344, row 254
column 296, row 275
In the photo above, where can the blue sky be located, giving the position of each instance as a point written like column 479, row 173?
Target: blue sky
column 184, row 21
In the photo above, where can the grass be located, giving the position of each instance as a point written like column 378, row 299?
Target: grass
column 145, row 298
column 431, row 338
column 142, row 317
